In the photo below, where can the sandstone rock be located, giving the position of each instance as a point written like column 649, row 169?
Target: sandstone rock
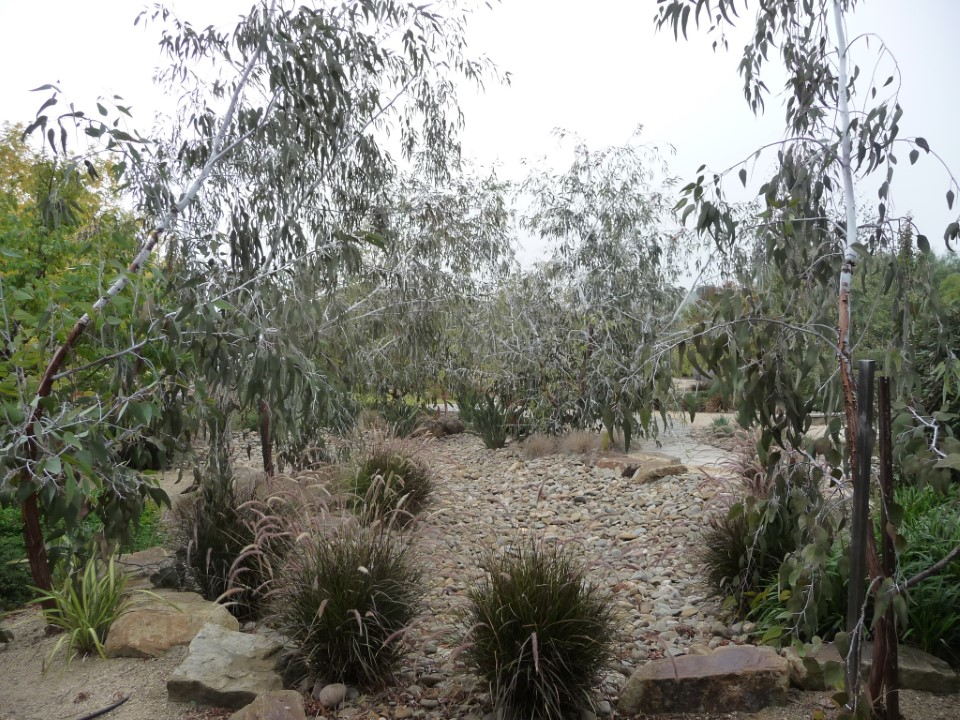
column 817, row 669
column 330, row 696
column 226, row 668
column 615, row 462
column 647, row 474
column 279, row 705
column 620, row 461
column 730, row 679
column 154, row 626
column 156, row 565
column 146, row 562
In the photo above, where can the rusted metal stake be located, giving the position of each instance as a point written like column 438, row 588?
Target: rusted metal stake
column 883, row 689
column 859, row 525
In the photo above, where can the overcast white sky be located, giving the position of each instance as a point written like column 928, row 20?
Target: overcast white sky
column 596, row 68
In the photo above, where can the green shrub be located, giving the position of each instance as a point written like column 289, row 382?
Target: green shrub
column 814, row 603
column 14, row 570
column 85, row 604
column 930, row 527
column 346, row 600
column 490, row 419
column 388, row 484
column 467, row 398
column 805, row 600
column 744, row 548
column 14, row 573
column 148, row 530
column 401, row 417
column 540, row 634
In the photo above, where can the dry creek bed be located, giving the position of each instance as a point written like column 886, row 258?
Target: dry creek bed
column 638, row 541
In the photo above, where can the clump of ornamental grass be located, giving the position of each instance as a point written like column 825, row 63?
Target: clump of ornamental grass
column 346, row 600
column 722, row 427
column 233, row 546
column 746, row 466
column 580, row 442
column 539, row 634
column 539, row 445
column 386, row 483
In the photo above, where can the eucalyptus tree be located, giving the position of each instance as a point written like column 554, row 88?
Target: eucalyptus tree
column 288, row 123
column 811, row 226
column 571, row 340
column 444, row 244
column 810, row 214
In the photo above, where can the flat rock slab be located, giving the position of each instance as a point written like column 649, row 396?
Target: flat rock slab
column 652, row 474
column 917, row 670
column 630, row 464
column 736, row 678
column 279, row 705
column 145, row 563
column 226, row 668
column 154, row 626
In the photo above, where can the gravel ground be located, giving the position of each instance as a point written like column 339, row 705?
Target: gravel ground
column 640, row 542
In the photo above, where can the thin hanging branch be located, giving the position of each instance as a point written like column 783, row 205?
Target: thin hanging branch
column 938, row 567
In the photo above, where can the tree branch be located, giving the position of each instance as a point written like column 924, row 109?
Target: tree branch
column 937, row 567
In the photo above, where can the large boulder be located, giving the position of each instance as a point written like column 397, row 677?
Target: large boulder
column 226, row 668
column 162, row 620
column 819, row 666
column 736, row 678
column 279, row 705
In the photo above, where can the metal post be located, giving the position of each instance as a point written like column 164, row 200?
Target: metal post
column 859, row 524
column 884, row 695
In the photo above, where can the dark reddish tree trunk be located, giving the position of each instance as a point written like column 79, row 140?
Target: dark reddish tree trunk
column 33, row 539
column 266, row 441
